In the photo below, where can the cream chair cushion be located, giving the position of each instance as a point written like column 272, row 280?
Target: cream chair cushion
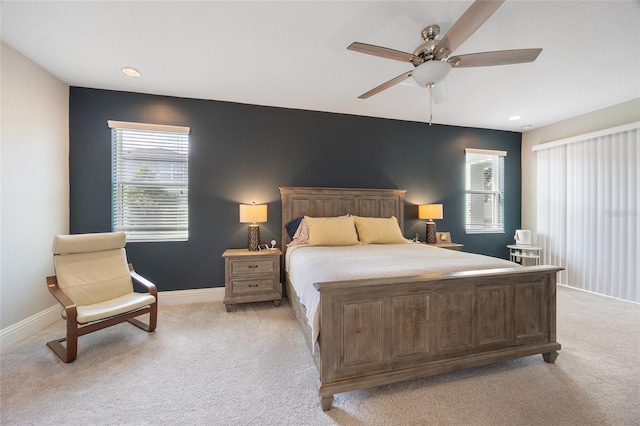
column 92, row 270
column 85, row 243
column 116, row 306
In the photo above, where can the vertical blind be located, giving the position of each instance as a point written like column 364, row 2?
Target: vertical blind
column 150, row 181
column 484, row 190
column 588, row 208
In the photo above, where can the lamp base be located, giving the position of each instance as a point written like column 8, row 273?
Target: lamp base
column 431, row 232
column 254, row 237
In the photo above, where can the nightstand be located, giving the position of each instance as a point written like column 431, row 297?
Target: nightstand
column 448, row 246
column 251, row 276
column 519, row 254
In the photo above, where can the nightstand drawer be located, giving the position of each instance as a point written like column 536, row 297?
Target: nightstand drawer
column 253, row 286
column 252, row 266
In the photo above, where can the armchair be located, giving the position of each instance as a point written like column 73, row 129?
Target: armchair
column 93, row 283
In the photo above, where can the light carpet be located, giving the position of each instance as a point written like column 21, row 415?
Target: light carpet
column 204, row 366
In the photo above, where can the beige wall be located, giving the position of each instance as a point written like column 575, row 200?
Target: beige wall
column 617, row 115
column 34, row 183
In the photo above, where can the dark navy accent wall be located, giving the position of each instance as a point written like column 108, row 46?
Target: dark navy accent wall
column 242, row 153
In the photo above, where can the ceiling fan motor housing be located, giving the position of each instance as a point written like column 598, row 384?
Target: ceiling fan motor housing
column 426, row 49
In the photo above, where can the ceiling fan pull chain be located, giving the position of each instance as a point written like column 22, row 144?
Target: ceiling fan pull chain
column 430, row 104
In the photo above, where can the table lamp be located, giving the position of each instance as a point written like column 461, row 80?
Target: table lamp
column 430, row 212
column 253, row 214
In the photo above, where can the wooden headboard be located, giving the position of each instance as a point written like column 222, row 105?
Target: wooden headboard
column 329, row 202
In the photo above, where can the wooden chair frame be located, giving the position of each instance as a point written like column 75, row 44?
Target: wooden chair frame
column 75, row 329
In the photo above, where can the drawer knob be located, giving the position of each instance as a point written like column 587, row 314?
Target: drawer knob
column 253, row 285
column 253, row 266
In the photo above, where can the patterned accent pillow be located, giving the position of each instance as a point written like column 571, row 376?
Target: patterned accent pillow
column 301, row 236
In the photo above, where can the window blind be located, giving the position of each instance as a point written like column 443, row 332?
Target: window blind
column 150, row 181
column 588, row 207
column 484, row 191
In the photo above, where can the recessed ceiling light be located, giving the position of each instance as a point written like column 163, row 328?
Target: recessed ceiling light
column 526, row 127
column 515, row 117
column 131, row 72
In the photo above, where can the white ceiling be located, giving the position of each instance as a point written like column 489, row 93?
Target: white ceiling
column 293, row 54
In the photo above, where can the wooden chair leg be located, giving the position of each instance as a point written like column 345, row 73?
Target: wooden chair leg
column 72, row 340
column 153, row 319
column 153, row 316
column 70, row 352
column 61, row 351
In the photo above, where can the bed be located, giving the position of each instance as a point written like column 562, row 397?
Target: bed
column 380, row 328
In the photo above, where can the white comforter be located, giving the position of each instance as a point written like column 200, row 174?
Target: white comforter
column 308, row 265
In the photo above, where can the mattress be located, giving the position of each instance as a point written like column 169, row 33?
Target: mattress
column 307, row 265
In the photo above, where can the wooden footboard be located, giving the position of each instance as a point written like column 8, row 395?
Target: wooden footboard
column 381, row 331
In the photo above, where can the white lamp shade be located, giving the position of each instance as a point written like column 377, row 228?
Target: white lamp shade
column 430, row 211
column 253, row 213
column 431, row 73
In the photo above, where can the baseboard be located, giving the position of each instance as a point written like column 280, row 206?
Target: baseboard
column 185, row 297
column 597, row 294
column 29, row 326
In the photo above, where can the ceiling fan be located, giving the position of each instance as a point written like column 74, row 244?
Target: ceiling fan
column 432, row 59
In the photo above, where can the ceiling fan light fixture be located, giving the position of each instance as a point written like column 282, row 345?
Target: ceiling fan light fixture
column 431, row 73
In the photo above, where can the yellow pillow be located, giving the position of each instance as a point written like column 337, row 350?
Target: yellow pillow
column 331, row 231
column 377, row 230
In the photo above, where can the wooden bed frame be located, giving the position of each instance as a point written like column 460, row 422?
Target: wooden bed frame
column 380, row 331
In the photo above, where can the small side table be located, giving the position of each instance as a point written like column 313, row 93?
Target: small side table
column 448, row 246
column 251, row 276
column 519, row 254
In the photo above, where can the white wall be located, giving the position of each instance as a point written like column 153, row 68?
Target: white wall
column 616, row 115
column 34, row 182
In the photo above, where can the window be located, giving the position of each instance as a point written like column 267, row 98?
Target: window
column 149, row 179
column 484, row 191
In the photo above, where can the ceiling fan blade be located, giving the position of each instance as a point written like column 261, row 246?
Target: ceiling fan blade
column 383, row 52
column 498, row 57
column 440, row 93
column 476, row 15
column 384, row 86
